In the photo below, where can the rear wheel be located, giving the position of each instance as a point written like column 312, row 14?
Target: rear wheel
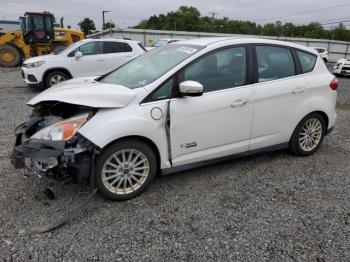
column 54, row 78
column 308, row 135
column 10, row 56
column 125, row 169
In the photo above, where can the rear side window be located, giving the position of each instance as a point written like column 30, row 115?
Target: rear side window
column 307, row 61
column 117, row 47
column 274, row 63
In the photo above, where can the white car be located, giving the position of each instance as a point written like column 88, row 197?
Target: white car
column 323, row 53
column 342, row 67
column 89, row 57
column 164, row 41
column 181, row 106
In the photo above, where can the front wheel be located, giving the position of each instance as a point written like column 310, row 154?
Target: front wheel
column 308, row 135
column 125, row 169
column 54, row 78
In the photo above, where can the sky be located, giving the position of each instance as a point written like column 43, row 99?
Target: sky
column 129, row 12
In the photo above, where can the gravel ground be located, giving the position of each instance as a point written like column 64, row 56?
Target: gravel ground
column 268, row 207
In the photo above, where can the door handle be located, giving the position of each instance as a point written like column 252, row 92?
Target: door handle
column 100, row 60
column 297, row 90
column 240, row 102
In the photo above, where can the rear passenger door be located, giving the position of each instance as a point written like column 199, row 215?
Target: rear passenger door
column 117, row 54
column 280, row 96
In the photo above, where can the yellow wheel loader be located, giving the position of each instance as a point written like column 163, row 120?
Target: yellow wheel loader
column 36, row 37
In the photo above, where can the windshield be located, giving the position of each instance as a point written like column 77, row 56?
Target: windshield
column 160, row 43
column 149, row 67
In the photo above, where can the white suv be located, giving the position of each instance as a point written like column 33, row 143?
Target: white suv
column 180, row 106
column 89, row 57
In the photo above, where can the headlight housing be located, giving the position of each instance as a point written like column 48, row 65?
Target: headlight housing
column 63, row 130
column 35, row 65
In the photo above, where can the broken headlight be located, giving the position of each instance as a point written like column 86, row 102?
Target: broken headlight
column 63, row 130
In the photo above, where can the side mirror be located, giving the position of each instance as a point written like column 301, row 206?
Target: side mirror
column 191, row 88
column 78, row 54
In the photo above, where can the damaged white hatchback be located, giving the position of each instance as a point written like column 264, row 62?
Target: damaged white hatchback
column 179, row 106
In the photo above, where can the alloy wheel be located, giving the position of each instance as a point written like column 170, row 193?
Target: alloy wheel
column 56, row 79
column 125, row 171
column 310, row 134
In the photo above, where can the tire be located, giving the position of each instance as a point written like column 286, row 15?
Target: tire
column 54, row 78
column 122, row 181
column 308, row 135
column 10, row 56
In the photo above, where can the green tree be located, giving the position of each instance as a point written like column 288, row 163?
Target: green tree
column 108, row 25
column 87, row 25
column 188, row 18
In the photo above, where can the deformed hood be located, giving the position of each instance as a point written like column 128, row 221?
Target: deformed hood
column 86, row 92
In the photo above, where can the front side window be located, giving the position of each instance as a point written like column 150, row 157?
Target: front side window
column 117, row 47
column 219, row 70
column 164, row 91
column 274, row 63
column 307, row 61
column 147, row 68
column 92, row 48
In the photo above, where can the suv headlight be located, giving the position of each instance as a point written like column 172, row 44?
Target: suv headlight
column 34, row 65
column 63, row 130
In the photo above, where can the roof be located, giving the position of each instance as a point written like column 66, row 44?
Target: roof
column 111, row 39
column 240, row 40
column 9, row 22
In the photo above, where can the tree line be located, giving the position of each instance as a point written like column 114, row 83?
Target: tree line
column 188, row 18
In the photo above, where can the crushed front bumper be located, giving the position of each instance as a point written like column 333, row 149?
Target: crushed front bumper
column 62, row 160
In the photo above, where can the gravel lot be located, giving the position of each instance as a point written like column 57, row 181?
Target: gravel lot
column 269, row 207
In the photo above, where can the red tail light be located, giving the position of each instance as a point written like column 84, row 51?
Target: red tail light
column 334, row 84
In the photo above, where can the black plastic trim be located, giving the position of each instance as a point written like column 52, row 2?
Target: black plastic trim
column 176, row 169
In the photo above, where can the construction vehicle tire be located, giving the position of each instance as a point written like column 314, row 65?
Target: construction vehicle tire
column 10, row 56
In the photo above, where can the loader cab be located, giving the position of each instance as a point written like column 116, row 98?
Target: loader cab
column 37, row 27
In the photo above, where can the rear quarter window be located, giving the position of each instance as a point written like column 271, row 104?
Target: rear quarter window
column 307, row 61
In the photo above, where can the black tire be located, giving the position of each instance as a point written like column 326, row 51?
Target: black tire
column 135, row 146
column 10, row 56
column 48, row 81
column 295, row 145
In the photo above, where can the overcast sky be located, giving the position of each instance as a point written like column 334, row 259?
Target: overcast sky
column 128, row 12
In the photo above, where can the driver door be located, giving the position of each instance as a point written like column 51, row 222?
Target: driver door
column 219, row 122
column 92, row 63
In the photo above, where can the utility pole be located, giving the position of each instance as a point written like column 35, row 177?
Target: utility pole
column 103, row 19
column 213, row 14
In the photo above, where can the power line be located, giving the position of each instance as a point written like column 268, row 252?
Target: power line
column 336, row 22
column 305, row 12
column 330, row 20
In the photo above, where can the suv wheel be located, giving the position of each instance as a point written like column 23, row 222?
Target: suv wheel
column 308, row 135
column 54, row 78
column 125, row 169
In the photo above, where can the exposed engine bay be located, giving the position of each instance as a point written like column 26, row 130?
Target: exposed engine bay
column 50, row 139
